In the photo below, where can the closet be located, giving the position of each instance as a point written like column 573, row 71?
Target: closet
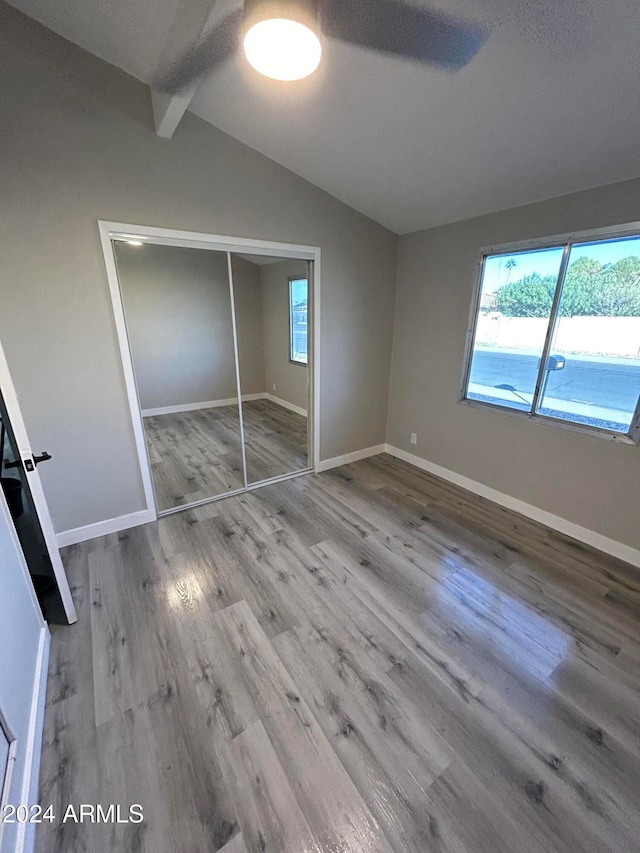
column 219, row 345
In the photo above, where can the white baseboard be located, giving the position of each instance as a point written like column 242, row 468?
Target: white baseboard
column 556, row 522
column 356, row 456
column 26, row 831
column 102, row 528
column 231, row 401
column 285, row 404
column 207, row 404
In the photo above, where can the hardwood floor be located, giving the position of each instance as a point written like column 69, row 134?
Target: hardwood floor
column 368, row 659
column 197, row 455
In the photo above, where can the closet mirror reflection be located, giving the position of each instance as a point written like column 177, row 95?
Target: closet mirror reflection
column 220, row 348
column 178, row 310
column 272, row 310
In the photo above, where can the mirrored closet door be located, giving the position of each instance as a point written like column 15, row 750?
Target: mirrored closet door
column 220, row 349
column 271, row 298
column 178, row 309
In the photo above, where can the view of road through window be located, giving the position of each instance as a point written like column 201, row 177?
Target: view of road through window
column 593, row 375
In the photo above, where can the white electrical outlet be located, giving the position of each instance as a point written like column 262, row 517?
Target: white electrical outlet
column 274, row 386
column 414, row 438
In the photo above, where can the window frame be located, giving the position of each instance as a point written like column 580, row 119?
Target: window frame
column 292, row 360
column 561, row 241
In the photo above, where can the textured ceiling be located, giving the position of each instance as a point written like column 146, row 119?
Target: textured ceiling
column 548, row 106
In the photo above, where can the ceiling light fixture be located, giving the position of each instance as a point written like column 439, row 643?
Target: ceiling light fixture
column 281, row 37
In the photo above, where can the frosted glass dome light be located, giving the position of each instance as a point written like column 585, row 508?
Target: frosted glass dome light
column 282, row 49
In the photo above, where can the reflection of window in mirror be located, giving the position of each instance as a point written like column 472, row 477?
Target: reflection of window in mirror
column 298, row 293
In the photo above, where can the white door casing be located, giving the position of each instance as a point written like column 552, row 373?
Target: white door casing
column 24, row 641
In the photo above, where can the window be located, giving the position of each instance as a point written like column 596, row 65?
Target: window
column 298, row 292
column 556, row 331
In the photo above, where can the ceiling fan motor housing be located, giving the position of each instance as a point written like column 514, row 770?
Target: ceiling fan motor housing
column 303, row 11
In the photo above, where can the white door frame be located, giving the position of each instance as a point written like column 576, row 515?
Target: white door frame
column 25, row 750
column 215, row 242
column 12, row 405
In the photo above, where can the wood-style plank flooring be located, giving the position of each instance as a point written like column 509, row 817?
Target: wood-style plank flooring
column 368, row 659
column 197, row 455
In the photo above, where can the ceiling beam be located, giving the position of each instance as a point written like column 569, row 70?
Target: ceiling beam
column 168, row 110
column 191, row 20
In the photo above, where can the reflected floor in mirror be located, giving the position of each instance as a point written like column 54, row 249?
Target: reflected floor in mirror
column 197, row 455
column 275, row 440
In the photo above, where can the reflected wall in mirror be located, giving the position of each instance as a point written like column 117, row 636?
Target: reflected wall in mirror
column 272, row 347
column 178, row 310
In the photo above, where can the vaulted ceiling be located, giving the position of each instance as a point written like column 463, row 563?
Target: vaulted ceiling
column 548, row 106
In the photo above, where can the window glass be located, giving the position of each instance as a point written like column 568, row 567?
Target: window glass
column 298, row 320
column 597, row 333
column 516, row 296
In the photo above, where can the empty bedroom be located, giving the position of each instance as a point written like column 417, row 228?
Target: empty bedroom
column 320, row 426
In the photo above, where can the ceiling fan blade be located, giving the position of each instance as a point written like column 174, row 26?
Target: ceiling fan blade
column 213, row 48
column 391, row 26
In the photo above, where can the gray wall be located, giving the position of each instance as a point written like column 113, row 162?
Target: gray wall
column 77, row 145
column 290, row 379
column 248, row 302
column 585, row 479
column 178, row 311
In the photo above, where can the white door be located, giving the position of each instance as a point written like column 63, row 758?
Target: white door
column 24, row 647
column 29, row 463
